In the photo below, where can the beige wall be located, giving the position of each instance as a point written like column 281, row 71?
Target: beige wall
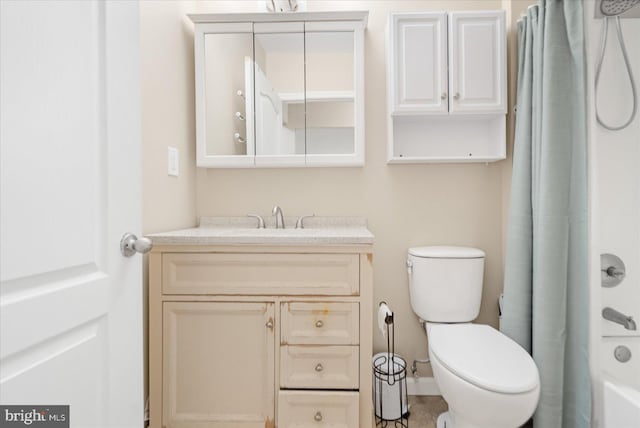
column 168, row 108
column 406, row 205
column 168, row 105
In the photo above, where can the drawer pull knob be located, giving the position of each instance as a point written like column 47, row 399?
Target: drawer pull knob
column 457, row 96
column 319, row 368
column 319, row 324
column 269, row 324
column 318, row 417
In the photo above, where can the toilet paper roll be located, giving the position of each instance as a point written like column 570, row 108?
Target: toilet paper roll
column 383, row 312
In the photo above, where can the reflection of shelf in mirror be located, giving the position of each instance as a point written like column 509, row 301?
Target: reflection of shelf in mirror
column 316, row 97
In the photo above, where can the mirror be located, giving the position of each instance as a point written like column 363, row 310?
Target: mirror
column 229, row 94
column 279, row 94
column 330, row 101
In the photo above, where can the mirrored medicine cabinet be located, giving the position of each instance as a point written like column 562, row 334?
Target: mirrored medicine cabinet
column 280, row 90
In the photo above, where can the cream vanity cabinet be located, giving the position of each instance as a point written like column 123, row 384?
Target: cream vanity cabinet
column 279, row 90
column 260, row 336
column 446, row 84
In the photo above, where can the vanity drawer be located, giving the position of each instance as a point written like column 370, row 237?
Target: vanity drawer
column 319, row 367
column 260, row 274
column 302, row 409
column 335, row 323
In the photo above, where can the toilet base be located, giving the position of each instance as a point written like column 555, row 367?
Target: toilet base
column 444, row 421
column 452, row 420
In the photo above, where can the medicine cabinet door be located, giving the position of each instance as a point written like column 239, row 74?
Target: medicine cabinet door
column 334, row 78
column 279, row 94
column 224, row 94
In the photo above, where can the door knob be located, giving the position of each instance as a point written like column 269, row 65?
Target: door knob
column 456, row 96
column 443, row 96
column 131, row 244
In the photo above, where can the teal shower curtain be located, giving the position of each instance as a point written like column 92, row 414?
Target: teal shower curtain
column 546, row 290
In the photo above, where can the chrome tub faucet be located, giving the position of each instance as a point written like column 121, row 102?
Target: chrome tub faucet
column 619, row 318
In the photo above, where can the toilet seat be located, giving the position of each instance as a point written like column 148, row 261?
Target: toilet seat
column 484, row 357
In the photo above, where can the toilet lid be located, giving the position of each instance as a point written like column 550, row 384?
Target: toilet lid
column 484, row 357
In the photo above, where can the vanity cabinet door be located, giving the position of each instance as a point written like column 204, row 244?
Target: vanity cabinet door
column 218, row 364
column 418, row 48
column 477, row 62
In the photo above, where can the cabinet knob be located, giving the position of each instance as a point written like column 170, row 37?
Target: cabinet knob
column 443, row 96
column 269, row 324
column 456, row 96
column 318, row 417
column 319, row 324
column 319, row 368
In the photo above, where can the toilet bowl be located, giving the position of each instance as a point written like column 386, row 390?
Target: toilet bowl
column 487, row 379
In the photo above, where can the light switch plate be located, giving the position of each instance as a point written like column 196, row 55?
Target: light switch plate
column 173, row 160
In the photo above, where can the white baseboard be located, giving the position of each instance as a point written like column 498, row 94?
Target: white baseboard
column 422, row 386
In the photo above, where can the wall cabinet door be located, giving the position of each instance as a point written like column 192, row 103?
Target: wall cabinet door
column 218, row 364
column 418, row 46
column 477, row 62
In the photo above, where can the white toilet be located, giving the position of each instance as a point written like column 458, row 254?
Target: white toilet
column 488, row 380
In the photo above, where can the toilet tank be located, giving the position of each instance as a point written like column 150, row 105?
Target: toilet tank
column 445, row 283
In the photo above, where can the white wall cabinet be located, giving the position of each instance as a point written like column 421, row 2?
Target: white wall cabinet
column 446, row 84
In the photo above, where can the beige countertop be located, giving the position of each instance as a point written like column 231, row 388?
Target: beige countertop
column 243, row 230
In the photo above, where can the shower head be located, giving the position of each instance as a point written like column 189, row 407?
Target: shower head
column 616, row 7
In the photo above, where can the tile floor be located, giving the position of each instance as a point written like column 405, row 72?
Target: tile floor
column 425, row 410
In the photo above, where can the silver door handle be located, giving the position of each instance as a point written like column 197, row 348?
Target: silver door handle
column 131, row 244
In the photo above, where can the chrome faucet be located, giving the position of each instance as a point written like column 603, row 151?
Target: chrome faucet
column 279, row 218
column 259, row 218
column 619, row 318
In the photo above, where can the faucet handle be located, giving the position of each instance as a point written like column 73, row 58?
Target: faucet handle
column 300, row 221
column 260, row 220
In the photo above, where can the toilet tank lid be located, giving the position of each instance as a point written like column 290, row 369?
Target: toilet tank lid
column 444, row 252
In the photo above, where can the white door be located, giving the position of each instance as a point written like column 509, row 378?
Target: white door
column 477, row 62
column 418, row 48
column 70, row 303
